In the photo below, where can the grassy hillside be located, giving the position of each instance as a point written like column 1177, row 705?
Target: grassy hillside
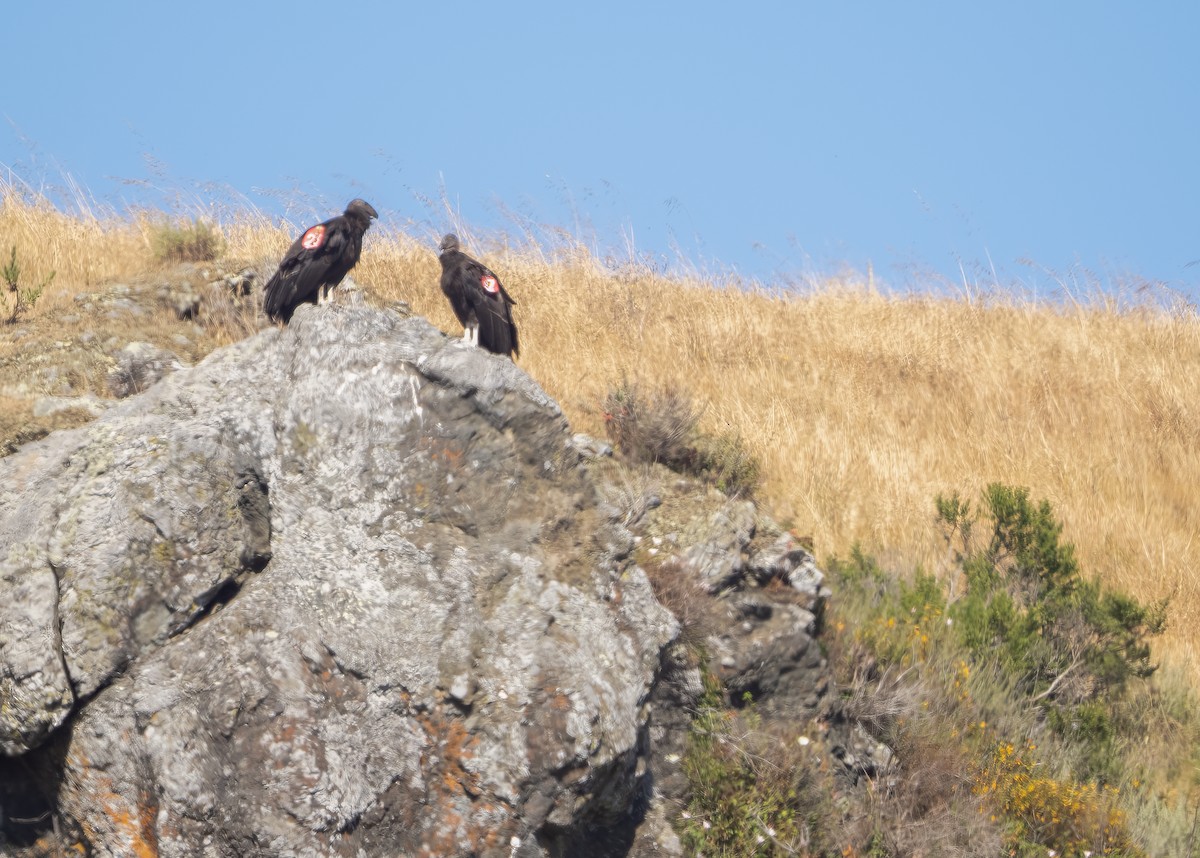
column 861, row 406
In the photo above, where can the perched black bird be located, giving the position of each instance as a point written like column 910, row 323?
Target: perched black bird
column 479, row 301
column 317, row 261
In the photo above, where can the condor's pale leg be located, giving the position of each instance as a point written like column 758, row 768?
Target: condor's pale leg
column 471, row 330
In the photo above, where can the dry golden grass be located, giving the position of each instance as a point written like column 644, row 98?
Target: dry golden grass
column 861, row 406
column 82, row 251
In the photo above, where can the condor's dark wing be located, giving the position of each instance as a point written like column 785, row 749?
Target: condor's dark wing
column 320, row 257
column 492, row 305
column 456, row 284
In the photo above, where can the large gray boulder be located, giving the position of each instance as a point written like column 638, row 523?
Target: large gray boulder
column 341, row 589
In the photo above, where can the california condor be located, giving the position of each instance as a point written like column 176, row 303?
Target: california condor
column 479, row 300
column 317, row 261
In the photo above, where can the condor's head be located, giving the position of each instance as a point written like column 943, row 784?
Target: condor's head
column 361, row 211
column 449, row 243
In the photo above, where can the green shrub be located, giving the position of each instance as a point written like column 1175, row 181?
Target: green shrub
column 726, row 462
column 1064, row 637
column 194, row 241
column 1031, row 648
column 21, row 298
column 1069, row 645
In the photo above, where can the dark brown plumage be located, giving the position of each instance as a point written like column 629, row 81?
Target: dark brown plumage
column 479, row 300
column 317, row 261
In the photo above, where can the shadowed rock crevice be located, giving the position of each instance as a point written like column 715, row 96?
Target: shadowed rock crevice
column 254, row 504
column 212, row 600
column 31, row 820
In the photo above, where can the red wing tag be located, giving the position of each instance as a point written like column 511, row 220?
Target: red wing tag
column 314, row 238
column 489, row 284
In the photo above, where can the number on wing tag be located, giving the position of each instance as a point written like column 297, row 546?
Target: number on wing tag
column 314, row 238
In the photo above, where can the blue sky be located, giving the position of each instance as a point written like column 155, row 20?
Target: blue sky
column 1048, row 143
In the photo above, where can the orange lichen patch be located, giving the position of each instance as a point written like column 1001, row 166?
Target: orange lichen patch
column 49, row 846
column 137, row 827
column 450, row 454
column 120, row 823
column 558, row 700
column 454, row 744
column 454, row 790
column 147, row 813
column 453, row 833
column 285, row 732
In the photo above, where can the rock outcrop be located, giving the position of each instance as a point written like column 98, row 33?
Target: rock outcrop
column 350, row 588
column 340, row 589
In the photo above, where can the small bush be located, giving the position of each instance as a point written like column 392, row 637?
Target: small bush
column 880, row 701
column 651, row 426
column 633, row 493
column 196, row 241
column 21, row 298
column 676, row 587
column 1031, row 648
column 660, row 426
column 1070, row 645
column 1047, row 813
column 726, row 462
